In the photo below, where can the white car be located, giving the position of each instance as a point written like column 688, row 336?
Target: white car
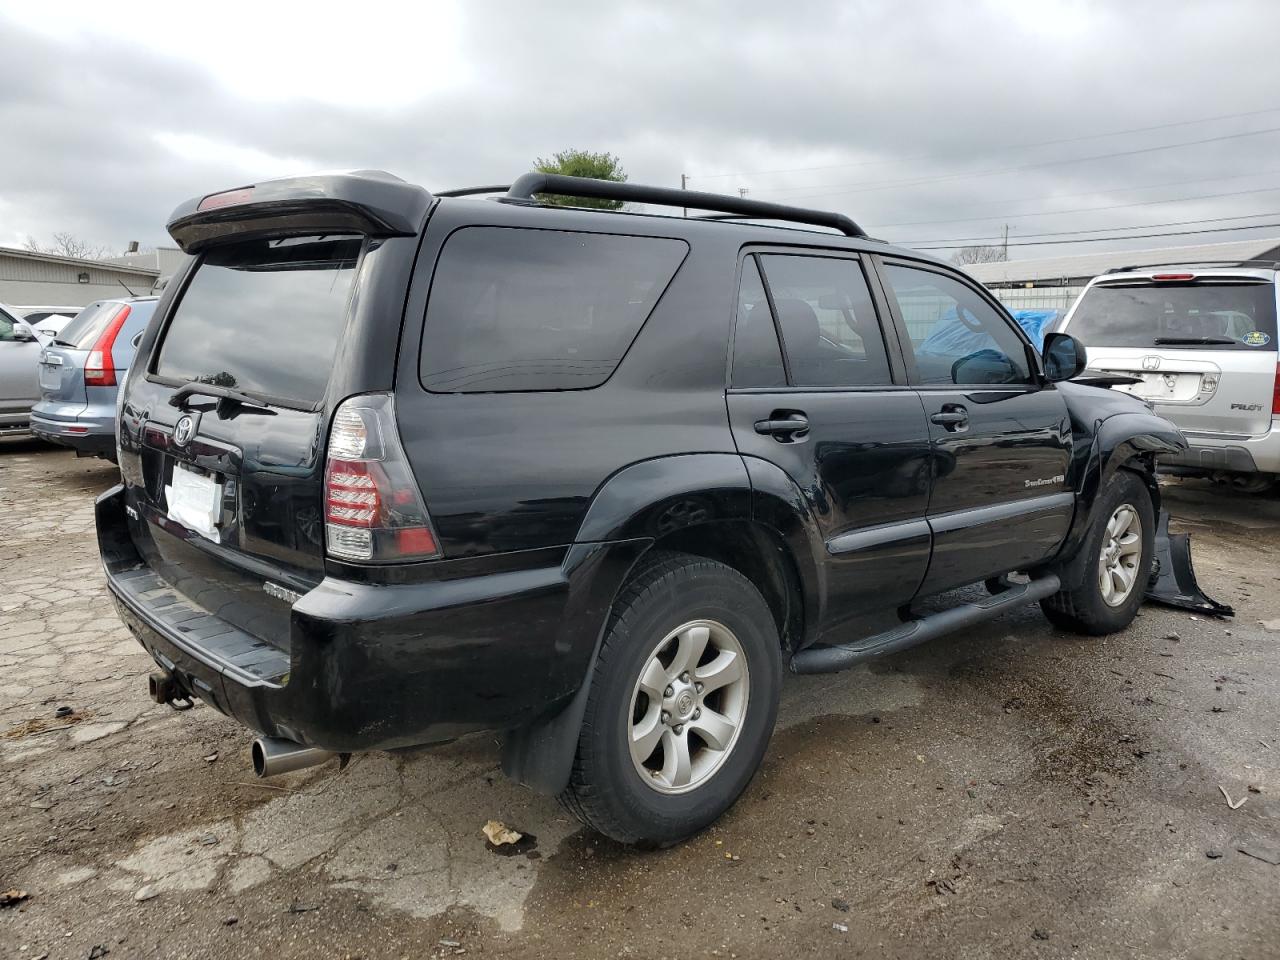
column 47, row 321
column 24, row 333
column 1201, row 338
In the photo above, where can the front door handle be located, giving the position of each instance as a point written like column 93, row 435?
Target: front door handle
column 784, row 426
column 953, row 417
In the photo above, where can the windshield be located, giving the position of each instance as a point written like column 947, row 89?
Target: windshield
column 1237, row 315
column 264, row 317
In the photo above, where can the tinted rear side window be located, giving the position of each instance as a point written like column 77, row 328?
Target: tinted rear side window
column 757, row 358
column 88, row 325
column 264, row 316
column 828, row 323
column 1213, row 315
column 517, row 309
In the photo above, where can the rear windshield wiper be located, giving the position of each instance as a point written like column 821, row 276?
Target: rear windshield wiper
column 1193, row 341
column 197, row 389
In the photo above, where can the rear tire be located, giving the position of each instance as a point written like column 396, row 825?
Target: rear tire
column 682, row 703
column 1118, row 549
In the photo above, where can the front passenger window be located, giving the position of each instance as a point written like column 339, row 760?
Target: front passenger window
column 957, row 337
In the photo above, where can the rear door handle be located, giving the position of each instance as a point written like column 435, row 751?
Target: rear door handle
column 784, row 426
column 952, row 416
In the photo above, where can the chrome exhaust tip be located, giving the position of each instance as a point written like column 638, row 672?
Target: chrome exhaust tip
column 273, row 756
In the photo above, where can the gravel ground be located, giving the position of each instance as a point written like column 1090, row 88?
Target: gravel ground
column 1006, row 792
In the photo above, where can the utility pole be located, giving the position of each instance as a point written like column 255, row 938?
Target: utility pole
column 1006, row 242
column 684, row 185
column 742, row 191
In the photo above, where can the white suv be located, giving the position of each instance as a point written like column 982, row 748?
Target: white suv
column 1201, row 338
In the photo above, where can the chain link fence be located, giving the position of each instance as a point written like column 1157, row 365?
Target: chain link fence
column 1038, row 298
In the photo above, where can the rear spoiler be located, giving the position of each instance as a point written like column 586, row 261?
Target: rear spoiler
column 369, row 202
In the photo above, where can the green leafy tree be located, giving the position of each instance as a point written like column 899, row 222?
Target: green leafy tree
column 583, row 163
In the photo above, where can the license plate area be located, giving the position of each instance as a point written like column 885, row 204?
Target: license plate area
column 50, row 375
column 193, row 499
column 1161, row 387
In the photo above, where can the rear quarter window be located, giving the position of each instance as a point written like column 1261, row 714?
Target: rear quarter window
column 516, row 309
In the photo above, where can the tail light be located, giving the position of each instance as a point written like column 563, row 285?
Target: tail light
column 373, row 509
column 1275, row 394
column 99, row 368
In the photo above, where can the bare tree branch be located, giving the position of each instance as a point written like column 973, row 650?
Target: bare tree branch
column 979, row 254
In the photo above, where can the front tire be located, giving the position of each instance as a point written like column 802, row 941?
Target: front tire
column 1118, row 553
column 682, row 703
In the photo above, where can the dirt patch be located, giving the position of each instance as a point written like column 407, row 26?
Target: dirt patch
column 37, row 725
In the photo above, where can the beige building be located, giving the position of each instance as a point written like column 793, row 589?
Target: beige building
column 44, row 278
column 1055, row 282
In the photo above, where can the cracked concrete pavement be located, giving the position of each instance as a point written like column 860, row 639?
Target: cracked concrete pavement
column 1007, row 792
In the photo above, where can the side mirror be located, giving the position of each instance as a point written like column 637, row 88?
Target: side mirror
column 23, row 334
column 1064, row 357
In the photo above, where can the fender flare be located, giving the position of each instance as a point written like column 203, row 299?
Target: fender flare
column 1129, row 441
column 629, row 512
column 780, row 505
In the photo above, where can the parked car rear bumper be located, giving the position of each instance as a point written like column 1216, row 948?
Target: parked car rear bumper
column 1257, row 454
column 84, row 428
column 364, row 666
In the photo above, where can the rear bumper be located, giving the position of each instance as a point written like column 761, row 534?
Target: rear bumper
column 1258, row 454
column 85, row 429
column 368, row 666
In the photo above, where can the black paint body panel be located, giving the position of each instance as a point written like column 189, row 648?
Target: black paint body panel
column 544, row 501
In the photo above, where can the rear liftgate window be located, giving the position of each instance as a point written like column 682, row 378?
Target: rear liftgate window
column 516, row 309
column 264, row 317
column 1218, row 315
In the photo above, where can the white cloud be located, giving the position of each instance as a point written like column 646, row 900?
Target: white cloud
column 327, row 51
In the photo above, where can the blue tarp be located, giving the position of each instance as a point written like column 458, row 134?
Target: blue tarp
column 1036, row 323
column 951, row 338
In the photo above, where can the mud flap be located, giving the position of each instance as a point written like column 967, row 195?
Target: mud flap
column 1173, row 579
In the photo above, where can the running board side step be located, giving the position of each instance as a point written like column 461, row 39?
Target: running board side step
column 825, row 659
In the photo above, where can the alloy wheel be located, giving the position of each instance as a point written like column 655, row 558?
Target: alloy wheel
column 1120, row 556
column 688, row 706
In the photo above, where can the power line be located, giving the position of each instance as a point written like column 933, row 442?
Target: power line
column 1021, row 146
column 1072, row 196
column 837, row 189
column 1059, row 213
column 1072, row 233
column 1130, row 236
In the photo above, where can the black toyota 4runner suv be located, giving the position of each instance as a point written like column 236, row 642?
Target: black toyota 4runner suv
column 400, row 466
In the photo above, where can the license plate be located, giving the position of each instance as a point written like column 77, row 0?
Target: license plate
column 195, row 501
column 50, row 377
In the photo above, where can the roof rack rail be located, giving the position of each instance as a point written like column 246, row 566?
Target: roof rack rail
column 472, row 191
column 1265, row 264
column 525, row 188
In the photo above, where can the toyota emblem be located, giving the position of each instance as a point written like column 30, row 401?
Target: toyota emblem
column 183, row 431
column 1150, row 363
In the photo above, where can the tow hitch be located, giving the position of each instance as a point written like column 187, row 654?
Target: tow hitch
column 1173, row 578
column 164, row 689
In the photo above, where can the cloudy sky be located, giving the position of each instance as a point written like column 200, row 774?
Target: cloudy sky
column 926, row 121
